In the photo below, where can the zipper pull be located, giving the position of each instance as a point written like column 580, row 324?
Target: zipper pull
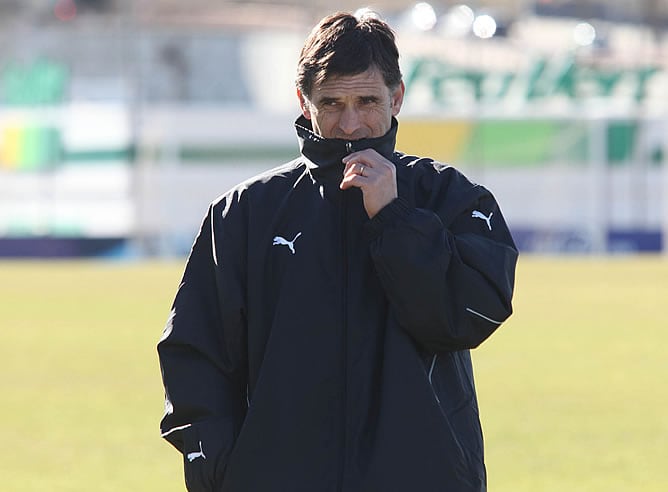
column 349, row 147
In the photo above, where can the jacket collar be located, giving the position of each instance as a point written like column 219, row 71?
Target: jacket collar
column 323, row 154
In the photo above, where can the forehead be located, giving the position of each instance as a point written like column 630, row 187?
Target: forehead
column 367, row 83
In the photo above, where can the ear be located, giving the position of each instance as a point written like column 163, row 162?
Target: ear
column 304, row 105
column 397, row 98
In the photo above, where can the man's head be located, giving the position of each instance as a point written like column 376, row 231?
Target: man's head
column 348, row 80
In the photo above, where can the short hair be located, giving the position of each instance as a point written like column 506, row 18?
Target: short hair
column 342, row 44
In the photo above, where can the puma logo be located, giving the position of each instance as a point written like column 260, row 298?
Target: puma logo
column 279, row 241
column 198, row 454
column 479, row 215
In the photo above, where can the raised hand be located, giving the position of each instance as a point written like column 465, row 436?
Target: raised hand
column 374, row 175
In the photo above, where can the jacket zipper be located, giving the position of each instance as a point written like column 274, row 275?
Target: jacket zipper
column 344, row 340
column 344, row 328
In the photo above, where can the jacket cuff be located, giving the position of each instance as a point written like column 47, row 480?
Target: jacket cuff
column 397, row 210
column 206, row 446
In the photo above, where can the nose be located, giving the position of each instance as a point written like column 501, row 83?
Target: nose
column 349, row 121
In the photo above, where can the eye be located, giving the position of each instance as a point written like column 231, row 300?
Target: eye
column 369, row 100
column 329, row 103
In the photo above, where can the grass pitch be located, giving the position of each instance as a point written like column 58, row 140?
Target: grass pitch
column 572, row 389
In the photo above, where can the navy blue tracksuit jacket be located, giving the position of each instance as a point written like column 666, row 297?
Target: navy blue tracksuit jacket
column 311, row 349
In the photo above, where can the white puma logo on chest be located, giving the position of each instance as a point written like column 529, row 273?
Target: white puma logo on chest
column 280, row 241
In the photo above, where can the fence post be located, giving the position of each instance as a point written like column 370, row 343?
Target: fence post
column 598, row 168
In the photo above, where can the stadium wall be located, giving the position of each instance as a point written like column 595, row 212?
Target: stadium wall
column 566, row 185
column 114, row 138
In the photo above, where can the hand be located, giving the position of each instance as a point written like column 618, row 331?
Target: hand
column 374, row 175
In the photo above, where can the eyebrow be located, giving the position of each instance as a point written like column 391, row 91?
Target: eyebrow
column 369, row 97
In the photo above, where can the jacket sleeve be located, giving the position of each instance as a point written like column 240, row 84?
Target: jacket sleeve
column 448, row 272
column 202, row 352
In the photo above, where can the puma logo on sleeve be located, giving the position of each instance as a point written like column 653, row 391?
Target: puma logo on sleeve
column 198, row 454
column 479, row 215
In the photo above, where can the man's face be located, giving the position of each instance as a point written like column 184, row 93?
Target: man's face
column 352, row 107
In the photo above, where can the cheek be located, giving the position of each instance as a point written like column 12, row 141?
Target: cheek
column 380, row 119
column 323, row 123
column 327, row 119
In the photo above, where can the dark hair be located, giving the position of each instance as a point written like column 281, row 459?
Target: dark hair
column 342, row 44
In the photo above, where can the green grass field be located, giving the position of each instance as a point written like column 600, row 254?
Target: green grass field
column 572, row 389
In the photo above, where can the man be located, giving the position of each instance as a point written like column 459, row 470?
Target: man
column 319, row 340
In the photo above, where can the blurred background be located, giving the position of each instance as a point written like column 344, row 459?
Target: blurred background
column 121, row 120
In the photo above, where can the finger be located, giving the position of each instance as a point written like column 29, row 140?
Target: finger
column 351, row 183
column 364, row 156
column 358, row 168
column 351, row 180
column 348, row 158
